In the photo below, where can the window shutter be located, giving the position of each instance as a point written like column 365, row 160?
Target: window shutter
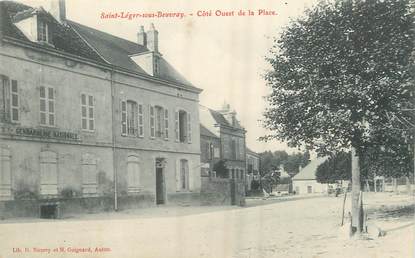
column 91, row 113
column 190, row 175
column 241, row 149
column 152, row 122
column 140, row 120
column 166, row 124
column 189, row 129
column 123, row 117
column 178, row 185
column 6, row 98
column 176, row 125
column 14, row 101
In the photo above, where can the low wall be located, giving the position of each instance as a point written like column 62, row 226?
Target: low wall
column 71, row 206
column 222, row 191
column 184, row 199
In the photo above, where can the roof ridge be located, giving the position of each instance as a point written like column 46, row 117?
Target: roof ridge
column 86, row 42
column 100, row 31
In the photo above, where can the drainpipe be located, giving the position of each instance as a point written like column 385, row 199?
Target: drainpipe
column 113, row 123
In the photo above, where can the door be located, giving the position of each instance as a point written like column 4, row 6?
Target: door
column 159, row 186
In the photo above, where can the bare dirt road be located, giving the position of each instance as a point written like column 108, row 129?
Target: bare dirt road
column 297, row 228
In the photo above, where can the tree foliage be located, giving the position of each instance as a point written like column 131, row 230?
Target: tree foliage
column 342, row 76
column 337, row 167
column 271, row 161
column 220, row 168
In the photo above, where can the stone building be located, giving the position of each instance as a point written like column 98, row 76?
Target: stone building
column 210, row 151
column 89, row 119
column 222, row 130
column 252, row 168
column 305, row 181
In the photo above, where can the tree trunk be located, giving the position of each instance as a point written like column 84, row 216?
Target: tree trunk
column 395, row 185
column 408, row 186
column 357, row 209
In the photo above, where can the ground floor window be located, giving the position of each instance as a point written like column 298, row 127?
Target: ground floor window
column 133, row 174
column 89, row 174
column 5, row 173
column 182, row 175
column 297, row 189
column 48, row 173
column 309, row 189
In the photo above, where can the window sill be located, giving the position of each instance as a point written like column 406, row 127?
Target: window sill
column 132, row 136
column 184, row 191
column 87, row 131
column 48, row 126
column 134, row 191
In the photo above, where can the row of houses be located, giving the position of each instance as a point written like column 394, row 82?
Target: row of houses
column 85, row 114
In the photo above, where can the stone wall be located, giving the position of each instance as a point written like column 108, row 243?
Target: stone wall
column 222, row 191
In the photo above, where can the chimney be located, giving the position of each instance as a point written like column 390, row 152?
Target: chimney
column 57, row 9
column 152, row 39
column 142, row 37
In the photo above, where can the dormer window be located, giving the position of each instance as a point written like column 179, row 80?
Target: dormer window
column 42, row 31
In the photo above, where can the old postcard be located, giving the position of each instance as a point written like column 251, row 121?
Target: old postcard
column 275, row 128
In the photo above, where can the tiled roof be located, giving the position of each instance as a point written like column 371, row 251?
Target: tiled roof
column 206, row 132
column 65, row 39
column 117, row 51
column 114, row 50
column 219, row 118
column 309, row 171
column 80, row 40
column 253, row 153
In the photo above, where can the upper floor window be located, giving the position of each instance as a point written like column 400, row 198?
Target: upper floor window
column 234, row 148
column 42, row 31
column 159, row 122
column 87, row 112
column 47, row 106
column 183, row 127
column 132, row 118
column 9, row 94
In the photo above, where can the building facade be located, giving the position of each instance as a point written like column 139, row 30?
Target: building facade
column 223, row 131
column 85, row 114
column 210, row 148
column 252, row 168
column 305, row 181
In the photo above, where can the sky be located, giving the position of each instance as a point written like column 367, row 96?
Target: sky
column 223, row 55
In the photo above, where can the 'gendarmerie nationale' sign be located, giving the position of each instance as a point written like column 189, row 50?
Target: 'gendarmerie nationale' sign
column 43, row 133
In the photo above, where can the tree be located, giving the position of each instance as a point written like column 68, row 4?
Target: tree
column 268, row 162
column 269, row 180
column 340, row 77
column 336, row 167
column 293, row 162
column 220, row 168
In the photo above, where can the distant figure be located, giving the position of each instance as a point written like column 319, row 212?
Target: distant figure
column 337, row 191
column 266, row 195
